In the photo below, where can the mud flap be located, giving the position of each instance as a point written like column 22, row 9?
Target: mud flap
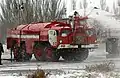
column 112, row 46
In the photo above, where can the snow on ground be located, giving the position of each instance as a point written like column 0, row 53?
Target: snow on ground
column 12, row 77
column 64, row 69
column 60, row 69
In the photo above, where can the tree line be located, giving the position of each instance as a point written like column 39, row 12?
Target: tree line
column 15, row 12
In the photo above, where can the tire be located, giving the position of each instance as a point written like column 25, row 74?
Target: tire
column 38, row 52
column 51, row 54
column 16, row 53
column 78, row 55
column 82, row 54
column 68, row 56
column 20, row 53
column 27, row 57
column 24, row 55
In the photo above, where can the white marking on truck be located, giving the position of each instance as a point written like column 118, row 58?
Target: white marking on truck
column 52, row 34
column 23, row 36
column 61, row 46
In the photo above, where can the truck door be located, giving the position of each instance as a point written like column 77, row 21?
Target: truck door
column 52, row 34
column 65, row 36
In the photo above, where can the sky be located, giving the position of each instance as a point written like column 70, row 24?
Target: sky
column 91, row 3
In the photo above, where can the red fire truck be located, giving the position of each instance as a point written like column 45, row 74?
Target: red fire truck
column 69, row 38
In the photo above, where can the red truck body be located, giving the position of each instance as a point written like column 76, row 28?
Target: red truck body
column 49, row 41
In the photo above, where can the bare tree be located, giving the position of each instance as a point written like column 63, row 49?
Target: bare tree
column 81, row 5
column 103, row 4
column 74, row 4
column 85, row 4
column 118, row 6
column 107, row 9
column 52, row 9
column 7, row 18
column 115, row 9
column 118, row 2
column 15, row 12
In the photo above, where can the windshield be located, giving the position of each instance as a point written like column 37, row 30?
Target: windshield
column 65, row 32
column 90, row 32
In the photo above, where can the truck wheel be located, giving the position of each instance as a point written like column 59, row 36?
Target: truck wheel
column 16, row 53
column 68, row 56
column 81, row 54
column 27, row 57
column 24, row 56
column 51, row 54
column 78, row 55
column 38, row 52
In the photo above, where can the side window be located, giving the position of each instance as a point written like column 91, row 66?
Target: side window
column 65, row 32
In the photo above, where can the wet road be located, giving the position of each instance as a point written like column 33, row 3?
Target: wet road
column 95, row 57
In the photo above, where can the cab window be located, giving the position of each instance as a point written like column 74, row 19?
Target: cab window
column 65, row 32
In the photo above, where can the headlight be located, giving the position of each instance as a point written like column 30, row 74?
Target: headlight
column 96, row 41
column 60, row 41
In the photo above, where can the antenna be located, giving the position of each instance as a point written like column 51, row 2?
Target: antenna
column 92, row 10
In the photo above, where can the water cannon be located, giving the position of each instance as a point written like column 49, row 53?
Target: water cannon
column 96, row 8
column 91, row 11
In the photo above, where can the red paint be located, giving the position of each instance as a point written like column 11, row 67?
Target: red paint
column 42, row 29
column 38, row 52
column 48, row 51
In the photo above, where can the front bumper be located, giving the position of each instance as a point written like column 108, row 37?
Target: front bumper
column 62, row 46
column 67, row 46
column 91, row 46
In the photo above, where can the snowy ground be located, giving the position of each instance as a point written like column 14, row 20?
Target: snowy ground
column 60, row 69
column 64, row 69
